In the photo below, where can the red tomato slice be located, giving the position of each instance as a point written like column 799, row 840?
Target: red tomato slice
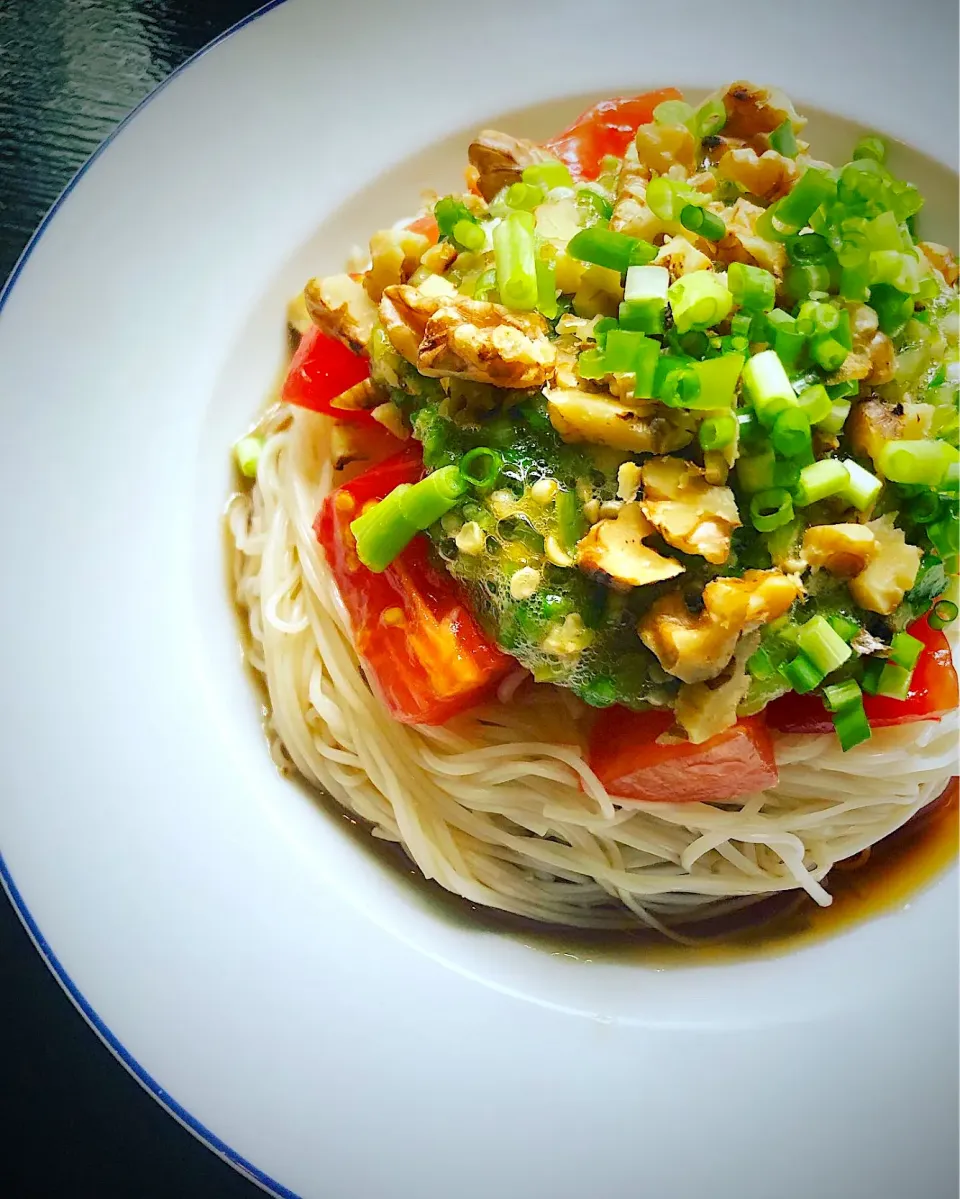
column 322, row 369
column 933, row 693
column 626, row 757
column 605, row 129
column 430, row 657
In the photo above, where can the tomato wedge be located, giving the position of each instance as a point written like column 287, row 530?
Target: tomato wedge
column 628, row 760
column 322, row 369
column 933, row 692
column 606, row 128
column 410, row 623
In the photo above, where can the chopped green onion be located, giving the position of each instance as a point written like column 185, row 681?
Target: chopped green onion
column 894, row 681
column 943, row 613
column 862, row 487
column 760, row 666
column 921, row 461
column 385, row 530
column 815, row 404
column 696, row 343
column 820, row 480
column 815, row 318
column 602, row 328
column 448, row 212
column 486, row 283
column 843, row 626
column 673, row 112
column 622, row 350
column 547, row 175
column 841, row 695
column 547, row 288
column 592, row 365
column 870, row 147
column 469, row 235
column 645, row 299
column 755, row 471
column 718, row 379
column 770, row 509
column 851, row 725
column 802, row 281
column 795, row 209
column 703, row 222
column 767, row 386
column 905, row 650
column 786, row 472
column 855, row 282
column 808, row 249
column 593, row 206
column 525, row 196
column 801, row 674
column 784, row 140
column 871, row 675
column 645, row 368
column 666, row 198
column 741, row 325
column 840, row 391
column 828, row 353
column 606, row 247
column 571, row 524
column 753, row 288
column 516, row 263
column 677, row 383
column 481, row 467
column 750, row 428
column 892, row 308
column 839, row 412
column 247, row 452
column 717, row 432
column 709, row 119
column 825, row 648
column 791, row 432
column 699, row 300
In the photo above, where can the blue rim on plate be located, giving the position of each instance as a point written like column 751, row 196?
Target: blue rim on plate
column 147, row 1081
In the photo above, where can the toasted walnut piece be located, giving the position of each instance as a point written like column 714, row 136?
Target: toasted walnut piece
column 842, row 550
column 883, row 360
column 499, row 159
column 873, row 423
column 753, row 110
column 697, row 646
column 579, row 415
column 689, row 513
column 361, row 397
column 629, row 478
column 613, row 551
column 768, row 175
column 743, row 244
column 340, row 307
column 705, row 709
column 390, row 416
column 437, row 258
column 942, row 259
column 681, row 257
column 395, row 254
column 891, row 572
column 660, row 147
column 455, row 337
column 630, row 212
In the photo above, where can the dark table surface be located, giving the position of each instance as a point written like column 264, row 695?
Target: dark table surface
column 74, row 1122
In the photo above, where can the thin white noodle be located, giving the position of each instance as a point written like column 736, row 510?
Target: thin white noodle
column 499, row 805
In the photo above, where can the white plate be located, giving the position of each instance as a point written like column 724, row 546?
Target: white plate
column 292, row 1001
